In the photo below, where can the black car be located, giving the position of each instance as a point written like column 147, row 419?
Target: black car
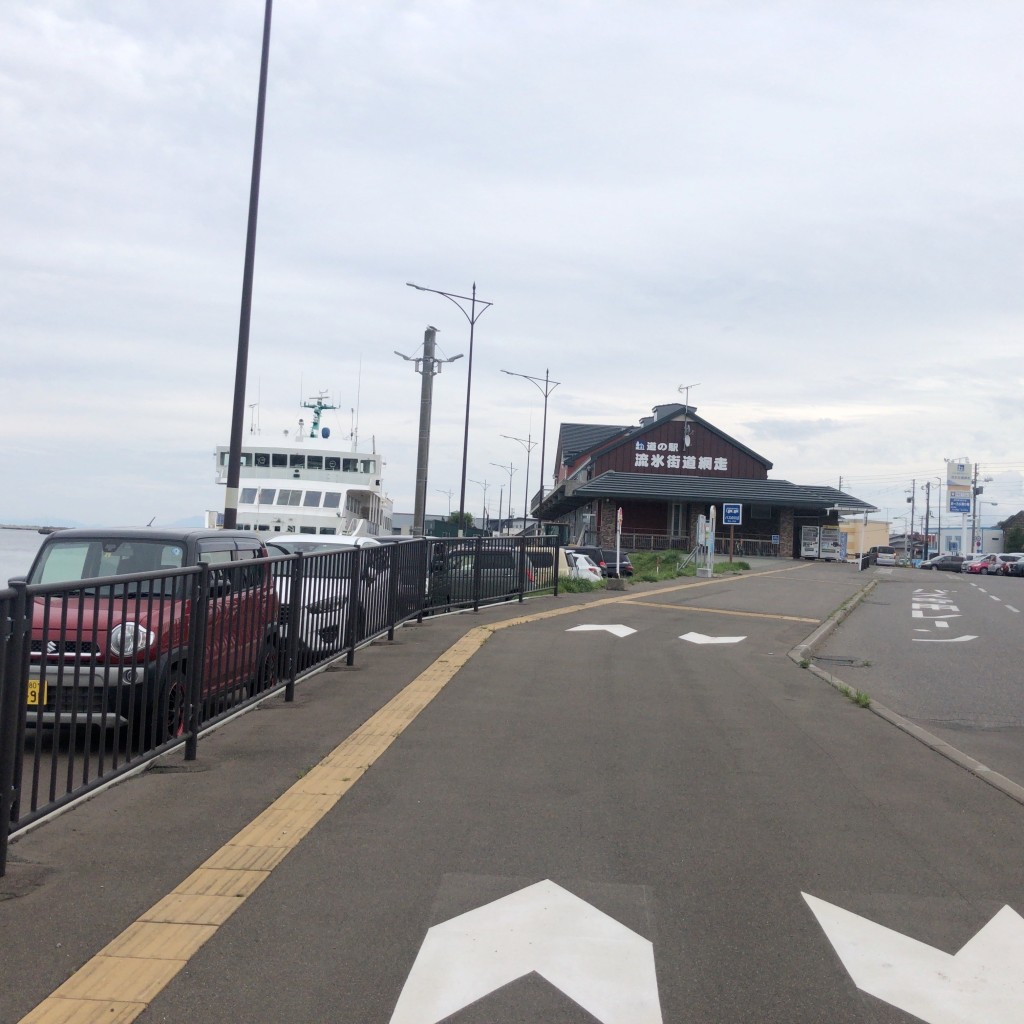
column 604, row 559
column 947, row 563
column 623, row 567
column 596, row 555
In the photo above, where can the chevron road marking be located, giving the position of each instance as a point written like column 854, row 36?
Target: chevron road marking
column 981, row 984
column 595, row 960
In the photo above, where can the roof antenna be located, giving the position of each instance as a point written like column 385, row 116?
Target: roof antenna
column 686, row 412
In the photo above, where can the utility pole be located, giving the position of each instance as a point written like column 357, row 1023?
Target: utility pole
column 974, row 506
column 913, row 506
column 427, row 365
column 927, row 514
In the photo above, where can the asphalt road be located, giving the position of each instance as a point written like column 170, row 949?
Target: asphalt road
column 967, row 692
column 549, row 824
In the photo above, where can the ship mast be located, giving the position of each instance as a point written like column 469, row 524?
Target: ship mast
column 318, row 405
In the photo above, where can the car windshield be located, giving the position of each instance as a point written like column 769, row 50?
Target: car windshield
column 83, row 558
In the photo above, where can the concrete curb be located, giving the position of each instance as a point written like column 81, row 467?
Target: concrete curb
column 805, row 651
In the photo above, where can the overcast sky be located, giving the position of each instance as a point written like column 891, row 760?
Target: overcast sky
column 812, row 211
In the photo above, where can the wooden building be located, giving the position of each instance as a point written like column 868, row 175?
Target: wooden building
column 667, row 472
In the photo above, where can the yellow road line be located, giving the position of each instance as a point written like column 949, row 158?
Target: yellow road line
column 119, row 983
column 725, row 611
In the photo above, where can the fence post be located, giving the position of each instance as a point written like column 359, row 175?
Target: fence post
column 196, row 656
column 352, row 611
column 15, row 634
column 477, row 572
column 394, row 562
column 291, row 642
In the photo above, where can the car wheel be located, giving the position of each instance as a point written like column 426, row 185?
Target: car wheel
column 267, row 669
column 169, row 719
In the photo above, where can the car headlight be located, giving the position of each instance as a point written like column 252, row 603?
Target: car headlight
column 324, row 607
column 129, row 638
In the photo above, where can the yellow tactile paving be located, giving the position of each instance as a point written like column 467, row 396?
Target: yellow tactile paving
column 117, row 985
column 211, row 881
column 119, row 979
column 189, row 908
column 73, row 1011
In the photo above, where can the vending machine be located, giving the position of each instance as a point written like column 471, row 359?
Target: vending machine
column 809, row 541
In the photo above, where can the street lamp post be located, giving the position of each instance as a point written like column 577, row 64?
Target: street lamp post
column 549, row 385
column 529, row 444
column 483, row 516
column 510, row 469
column 242, row 354
column 472, row 316
column 448, row 494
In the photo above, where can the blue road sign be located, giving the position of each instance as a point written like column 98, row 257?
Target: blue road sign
column 732, row 515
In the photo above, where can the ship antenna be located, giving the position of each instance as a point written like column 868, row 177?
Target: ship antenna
column 355, row 422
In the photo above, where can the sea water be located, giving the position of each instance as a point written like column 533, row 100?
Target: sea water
column 17, row 549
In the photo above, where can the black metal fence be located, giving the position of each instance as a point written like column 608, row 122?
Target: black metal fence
column 99, row 676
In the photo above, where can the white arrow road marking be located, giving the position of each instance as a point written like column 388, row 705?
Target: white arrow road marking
column 700, row 638
column 944, row 640
column 599, row 963
column 618, row 630
column 982, row 984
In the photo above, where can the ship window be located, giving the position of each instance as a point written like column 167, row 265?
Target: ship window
column 332, row 499
column 307, row 529
column 314, row 462
column 332, row 463
column 352, row 504
column 262, row 459
column 328, row 529
column 267, row 495
column 350, row 465
column 278, row 459
column 224, row 456
column 248, row 495
column 297, row 460
column 246, row 459
column 289, row 497
column 369, row 466
column 312, row 499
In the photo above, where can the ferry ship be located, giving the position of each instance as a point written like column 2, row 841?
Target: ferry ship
column 305, row 483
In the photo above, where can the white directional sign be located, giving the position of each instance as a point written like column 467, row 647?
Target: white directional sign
column 595, row 960
column 700, row 638
column 981, row 984
column 618, row 630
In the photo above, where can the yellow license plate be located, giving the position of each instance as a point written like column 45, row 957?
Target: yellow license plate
column 36, row 693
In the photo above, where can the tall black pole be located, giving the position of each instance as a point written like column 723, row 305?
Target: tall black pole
column 238, row 408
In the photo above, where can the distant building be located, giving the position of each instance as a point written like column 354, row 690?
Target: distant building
column 667, row 472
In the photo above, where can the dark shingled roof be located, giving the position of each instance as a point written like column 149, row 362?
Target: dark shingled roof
column 577, row 438
column 699, row 489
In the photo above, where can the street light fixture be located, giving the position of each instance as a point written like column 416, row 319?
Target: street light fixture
column 529, row 444
column 472, row 316
column 484, row 484
column 549, row 385
column 449, row 494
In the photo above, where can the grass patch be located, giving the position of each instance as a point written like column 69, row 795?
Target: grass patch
column 573, row 586
column 655, row 566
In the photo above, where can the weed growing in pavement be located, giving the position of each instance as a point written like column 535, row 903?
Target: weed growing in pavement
column 858, row 697
column 805, row 662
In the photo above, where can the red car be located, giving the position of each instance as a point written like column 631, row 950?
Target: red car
column 118, row 650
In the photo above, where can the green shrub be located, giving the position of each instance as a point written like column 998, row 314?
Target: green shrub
column 573, row 586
